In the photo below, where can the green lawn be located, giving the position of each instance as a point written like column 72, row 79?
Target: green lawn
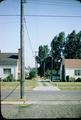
column 67, row 85
column 28, row 84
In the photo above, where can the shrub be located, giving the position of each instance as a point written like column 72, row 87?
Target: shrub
column 32, row 73
column 10, row 78
column 78, row 80
column 72, row 79
column 67, row 78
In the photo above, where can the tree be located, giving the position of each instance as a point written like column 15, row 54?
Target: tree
column 78, row 52
column 42, row 54
column 32, row 73
column 73, row 45
column 52, row 59
column 79, row 0
column 1, row 0
column 56, row 46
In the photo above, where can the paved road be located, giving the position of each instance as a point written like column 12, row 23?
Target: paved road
column 45, row 103
column 42, row 111
column 44, row 91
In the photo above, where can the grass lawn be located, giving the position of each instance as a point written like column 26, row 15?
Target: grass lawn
column 29, row 84
column 67, row 85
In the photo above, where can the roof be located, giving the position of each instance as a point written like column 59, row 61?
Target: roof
column 72, row 63
column 8, row 58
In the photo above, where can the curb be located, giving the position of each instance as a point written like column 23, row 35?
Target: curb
column 16, row 102
column 39, row 102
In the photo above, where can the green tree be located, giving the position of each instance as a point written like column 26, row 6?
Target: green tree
column 73, row 45
column 78, row 51
column 56, row 46
column 32, row 73
column 43, row 52
column 1, row 0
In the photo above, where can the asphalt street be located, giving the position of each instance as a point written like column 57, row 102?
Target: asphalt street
column 44, row 103
column 41, row 111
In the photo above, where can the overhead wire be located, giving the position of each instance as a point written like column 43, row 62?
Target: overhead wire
column 54, row 2
column 10, row 93
column 42, row 2
column 64, row 16
column 28, row 36
column 41, row 15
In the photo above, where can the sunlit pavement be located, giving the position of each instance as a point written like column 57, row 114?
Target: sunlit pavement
column 44, row 85
column 44, row 101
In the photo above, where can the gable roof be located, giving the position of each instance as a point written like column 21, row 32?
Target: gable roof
column 72, row 63
column 8, row 58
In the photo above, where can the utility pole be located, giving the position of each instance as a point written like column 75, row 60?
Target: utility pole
column 51, row 67
column 63, row 68
column 36, row 62
column 22, row 64
column 44, row 68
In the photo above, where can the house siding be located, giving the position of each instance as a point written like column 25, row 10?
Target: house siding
column 13, row 71
column 71, row 72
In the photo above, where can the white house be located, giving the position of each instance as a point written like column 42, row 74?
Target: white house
column 72, row 68
column 9, row 64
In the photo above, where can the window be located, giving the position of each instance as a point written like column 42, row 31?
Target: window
column 77, row 72
column 7, row 71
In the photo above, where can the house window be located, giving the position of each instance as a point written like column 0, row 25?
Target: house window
column 77, row 72
column 7, row 71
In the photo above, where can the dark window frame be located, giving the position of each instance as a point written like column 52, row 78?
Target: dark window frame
column 77, row 72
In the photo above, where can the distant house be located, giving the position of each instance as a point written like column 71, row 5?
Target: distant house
column 9, row 64
column 72, row 68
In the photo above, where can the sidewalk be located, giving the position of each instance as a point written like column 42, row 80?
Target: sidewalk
column 44, row 85
column 39, row 102
column 44, row 101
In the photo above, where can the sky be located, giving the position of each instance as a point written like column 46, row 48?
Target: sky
column 38, row 30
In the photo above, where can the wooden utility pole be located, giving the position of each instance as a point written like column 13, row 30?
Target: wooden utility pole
column 36, row 62
column 63, row 68
column 51, row 67
column 22, row 65
column 44, row 69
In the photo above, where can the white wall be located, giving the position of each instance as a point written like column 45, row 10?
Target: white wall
column 13, row 71
column 70, row 72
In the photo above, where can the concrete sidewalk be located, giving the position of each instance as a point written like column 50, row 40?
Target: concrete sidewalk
column 40, row 102
column 44, row 85
column 47, row 88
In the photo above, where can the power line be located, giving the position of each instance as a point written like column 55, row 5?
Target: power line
column 53, row 2
column 34, row 15
column 71, row 16
column 28, row 35
column 10, row 15
column 10, row 93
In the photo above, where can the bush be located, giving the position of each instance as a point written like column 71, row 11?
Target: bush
column 72, row 79
column 67, row 78
column 32, row 73
column 8, row 78
column 78, row 80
